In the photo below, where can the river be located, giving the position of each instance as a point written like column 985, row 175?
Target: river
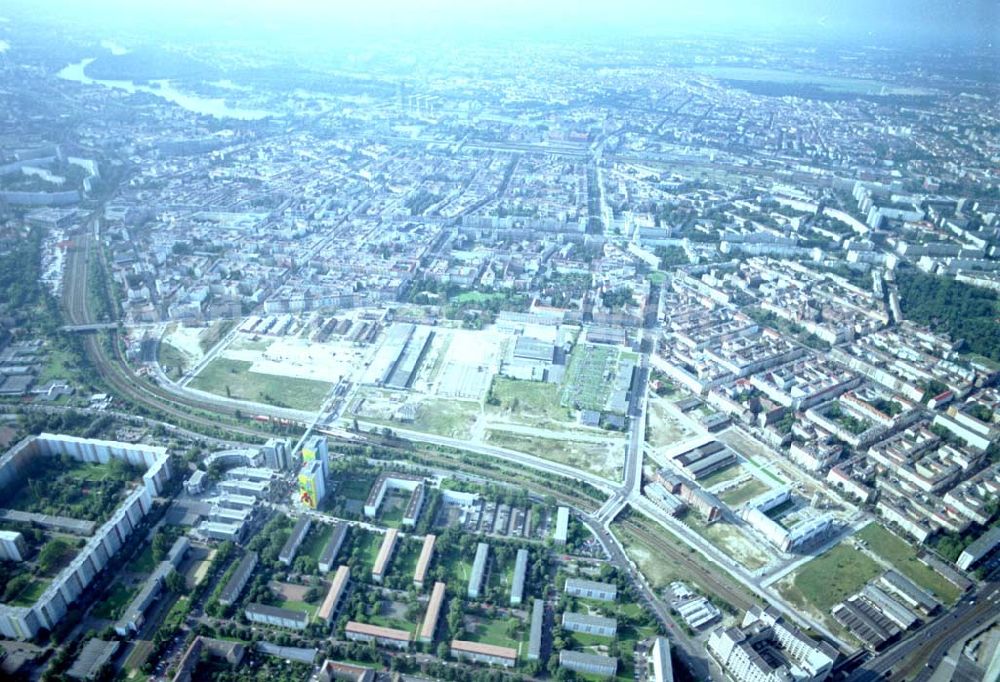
column 208, row 106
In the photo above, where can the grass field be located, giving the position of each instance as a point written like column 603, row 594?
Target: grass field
column 529, row 402
column 458, row 569
column 114, row 602
column 356, row 487
column 495, row 632
column 830, row 578
column 314, row 544
column 387, row 619
column 902, row 555
column 749, row 490
column 233, row 378
column 172, row 360
column 587, row 384
column 369, row 544
column 30, row 593
column 477, row 297
column 391, row 515
column 450, row 418
column 143, row 563
column 299, row 606
column 725, row 474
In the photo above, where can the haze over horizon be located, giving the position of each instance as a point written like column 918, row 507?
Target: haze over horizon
column 974, row 22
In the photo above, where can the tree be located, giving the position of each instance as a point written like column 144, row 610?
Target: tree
column 52, row 556
column 176, row 583
column 161, row 545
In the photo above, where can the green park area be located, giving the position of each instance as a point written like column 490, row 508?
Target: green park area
column 233, row 379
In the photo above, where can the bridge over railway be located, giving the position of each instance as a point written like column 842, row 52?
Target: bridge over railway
column 96, row 327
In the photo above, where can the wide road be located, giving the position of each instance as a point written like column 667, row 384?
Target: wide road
column 906, row 660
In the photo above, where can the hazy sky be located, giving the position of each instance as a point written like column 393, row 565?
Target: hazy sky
column 846, row 18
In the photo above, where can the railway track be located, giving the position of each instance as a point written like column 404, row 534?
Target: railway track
column 114, row 371
column 708, row 579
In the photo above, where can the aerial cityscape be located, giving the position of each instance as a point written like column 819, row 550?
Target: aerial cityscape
column 401, row 342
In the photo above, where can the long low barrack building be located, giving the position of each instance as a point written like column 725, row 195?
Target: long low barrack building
column 362, row 632
column 272, row 615
column 484, row 653
column 294, row 540
column 337, row 589
column 384, row 556
column 238, row 580
column 332, row 548
column 517, row 582
column 478, row 570
column 433, row 613
column 535, row 636
column 424, row 561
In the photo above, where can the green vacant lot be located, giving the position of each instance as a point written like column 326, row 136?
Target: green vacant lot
column 172, row 360
column 529, row 402
column 902, row 555
column 831, row 578
column 592, row 457
column 451, row 418
column 726, row 473
column 233, row 379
